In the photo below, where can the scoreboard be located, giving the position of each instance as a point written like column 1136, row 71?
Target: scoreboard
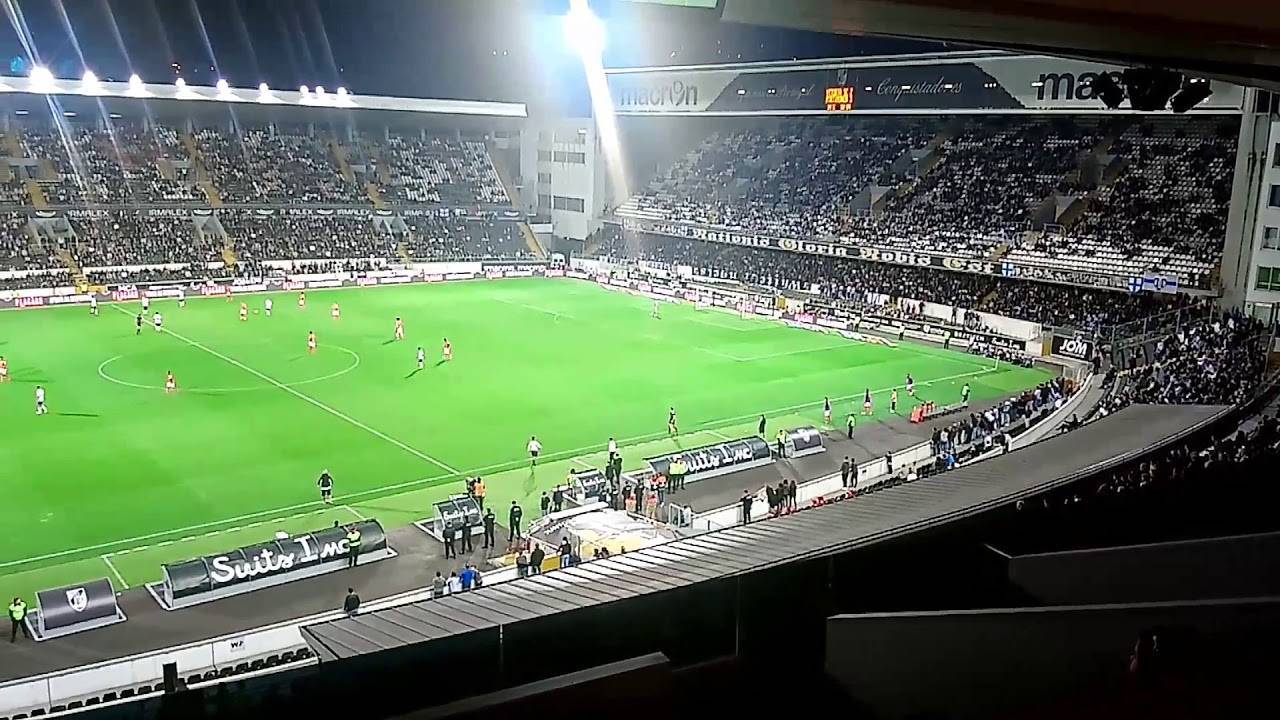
column 839, row 98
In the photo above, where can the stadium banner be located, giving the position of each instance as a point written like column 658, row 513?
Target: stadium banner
column 718, row 459
column 41, row 297
column 690, row 231
column 268, row 563
column 977, row 82
column 65, row 610
column 1075, row 348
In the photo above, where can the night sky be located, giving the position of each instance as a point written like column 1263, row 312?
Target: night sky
column 470, row 49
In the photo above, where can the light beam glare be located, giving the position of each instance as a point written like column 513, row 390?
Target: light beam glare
column 585, row 33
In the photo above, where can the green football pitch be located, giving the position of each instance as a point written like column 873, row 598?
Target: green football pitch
column 120, row 477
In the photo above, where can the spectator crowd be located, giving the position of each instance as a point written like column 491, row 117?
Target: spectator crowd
column 1154, row 192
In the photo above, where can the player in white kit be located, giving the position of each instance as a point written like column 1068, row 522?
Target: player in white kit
column 446, row 352
column 399, row 329
column 93, row 305
column 335, row 312
column 170, row 382
column 4, row 368
column 158, row 320
column 182, row 298
column 422, row 358
column 146, row 303
column 266, row 306
column 41, row 408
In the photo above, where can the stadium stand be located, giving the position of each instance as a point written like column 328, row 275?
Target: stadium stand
column 850, row 279
column 259, row 166
column 430, row 170
column 304, row 237
column 1156, row 200
column 131, row 238
column 458, row 238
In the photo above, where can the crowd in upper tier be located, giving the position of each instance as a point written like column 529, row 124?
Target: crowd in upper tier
column 1131, row 195
column 851, row 279
column 192, row 199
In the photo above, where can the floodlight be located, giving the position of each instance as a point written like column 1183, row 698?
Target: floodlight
column 1194, row 92
column 262, row 88
column 304, row 90
column 221, row 85
column 342, row 92
column 41, row 79
column 583, row 31
column 182, row 84
column 89, row 78
column 320, row 91
column 135, row 87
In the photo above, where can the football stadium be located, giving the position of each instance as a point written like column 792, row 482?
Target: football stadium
column 494, row 358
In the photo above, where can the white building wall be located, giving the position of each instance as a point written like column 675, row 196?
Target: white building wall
column 560, row 164
column 1262, row 294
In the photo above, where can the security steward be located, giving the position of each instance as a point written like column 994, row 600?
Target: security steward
column 18, row 613
column 353, row 545
column 677, row 471
column 781, row 442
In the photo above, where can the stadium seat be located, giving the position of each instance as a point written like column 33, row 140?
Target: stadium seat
column 273, row 660
column 241, row 668
column 224, row 672
column 110, row 696
column 57, row 709
column 193, row 679
column 75, row 705
column 287, row 656
column 95, row 700
column 128, row 693
column 210, row 675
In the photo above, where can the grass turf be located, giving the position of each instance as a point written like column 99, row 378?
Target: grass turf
column 120, row 477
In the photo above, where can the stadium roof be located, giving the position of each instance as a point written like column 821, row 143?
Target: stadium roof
column 1233, row 40
column 743, row 549
column 73, row 97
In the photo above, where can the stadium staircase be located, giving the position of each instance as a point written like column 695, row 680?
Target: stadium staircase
column 500, row 169
column 999, row 251
column 11, row 146
column 229, row 253
column 204, row 180
column 402, row 250
column 73, row 267
column 211, row 194
column 531, row 240
column 36, row 193
column 340, row 157
column 375, row 196
column 986, row 299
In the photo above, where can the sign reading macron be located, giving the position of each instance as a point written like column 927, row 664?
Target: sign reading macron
column 974, row 82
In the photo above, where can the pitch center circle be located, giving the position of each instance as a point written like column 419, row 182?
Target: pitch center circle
column 351, row 366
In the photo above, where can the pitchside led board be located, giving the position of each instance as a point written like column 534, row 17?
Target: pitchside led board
column 965, row 82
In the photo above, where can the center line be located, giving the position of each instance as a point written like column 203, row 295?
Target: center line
column 302, row 396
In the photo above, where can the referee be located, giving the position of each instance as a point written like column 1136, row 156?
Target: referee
column 325, row 483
